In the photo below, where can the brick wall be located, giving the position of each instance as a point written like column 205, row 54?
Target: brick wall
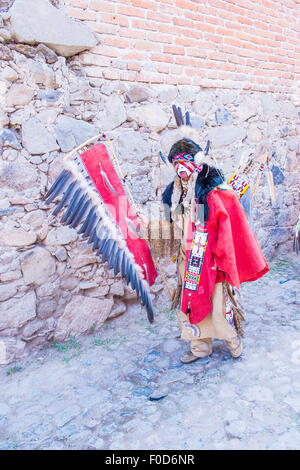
column 244, row 44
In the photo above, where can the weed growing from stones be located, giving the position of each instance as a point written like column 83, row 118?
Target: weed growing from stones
column 14, row 369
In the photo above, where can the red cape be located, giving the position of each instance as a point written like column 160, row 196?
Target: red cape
column 98, row 163
column 231, row 246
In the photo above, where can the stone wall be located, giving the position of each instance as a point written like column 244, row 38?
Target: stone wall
column 52, row 284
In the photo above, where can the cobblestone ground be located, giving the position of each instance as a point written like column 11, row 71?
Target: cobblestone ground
column 97, row 392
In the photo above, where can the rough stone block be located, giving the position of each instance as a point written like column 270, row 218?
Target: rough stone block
column 16, row 312
column 36, row 138
column 10, row 349
column 80, row 315
column 37, row 266
column 50, row 26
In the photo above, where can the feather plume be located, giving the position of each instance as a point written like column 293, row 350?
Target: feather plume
column 243, row 160
column 106, row 180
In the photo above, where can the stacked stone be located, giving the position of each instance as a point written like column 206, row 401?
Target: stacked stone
column 52, row 284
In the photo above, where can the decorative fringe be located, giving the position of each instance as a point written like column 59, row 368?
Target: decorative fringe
column 164, row 238
column 238, row 310
column 177, row 192
column 176, row 297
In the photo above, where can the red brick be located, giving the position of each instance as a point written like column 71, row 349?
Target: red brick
column 93, row 71
column 79, row 3
column 147, row 46
column 117, row 42
column 225, row 32
column 207, row 28
column 111, row 74
column 128, row 76
column 232, row 42
column 246, row 53
column 162, row 58
column 171, row 80
column 163, row 68
column 170, row 10
column 216, row 56
column 184, row 22
column 81, row 14
column 213, row 38
column 248, row 45
column 194, row 16
column 162, row 38
column 187, row 42
column 227, row 15
column 107, row 51
column 98, row 5
column 184, row 80
column 189, row 5
column 234, row 26
column 165, row 28
column 103, row 28
column 157, row 16
column 217, row 4
column 144, row 24
column 133, row 55
column 191, row 72
column 115, row 19
column 134, row 66
column 176, row 50
column 245, row 20
column 176, row 69
column 147, row 77
column 204, row 46
column 144, row 4
column 132, row 33
column 197, row 52
column 190, row 33
column 236, row 60
column 131, row 11
column 214, row 20
column 94, row 59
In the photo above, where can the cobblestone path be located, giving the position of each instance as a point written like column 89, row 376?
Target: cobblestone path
column 102, row 391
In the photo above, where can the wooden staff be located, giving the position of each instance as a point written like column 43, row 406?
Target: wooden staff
column 82, row 146
column 99, row 136
column 137, row 212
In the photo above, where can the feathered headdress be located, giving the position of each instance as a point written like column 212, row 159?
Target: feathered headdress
column 184, row 141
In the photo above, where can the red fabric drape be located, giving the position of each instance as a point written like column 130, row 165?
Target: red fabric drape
column 232, row 248
column 116, row 202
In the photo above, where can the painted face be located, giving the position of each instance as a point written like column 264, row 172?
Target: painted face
column 184, row 169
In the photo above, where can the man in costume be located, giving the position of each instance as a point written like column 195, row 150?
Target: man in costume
column 218, row 252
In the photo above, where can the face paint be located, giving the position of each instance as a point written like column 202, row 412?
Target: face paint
column 183, row 156
column 184, row 170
